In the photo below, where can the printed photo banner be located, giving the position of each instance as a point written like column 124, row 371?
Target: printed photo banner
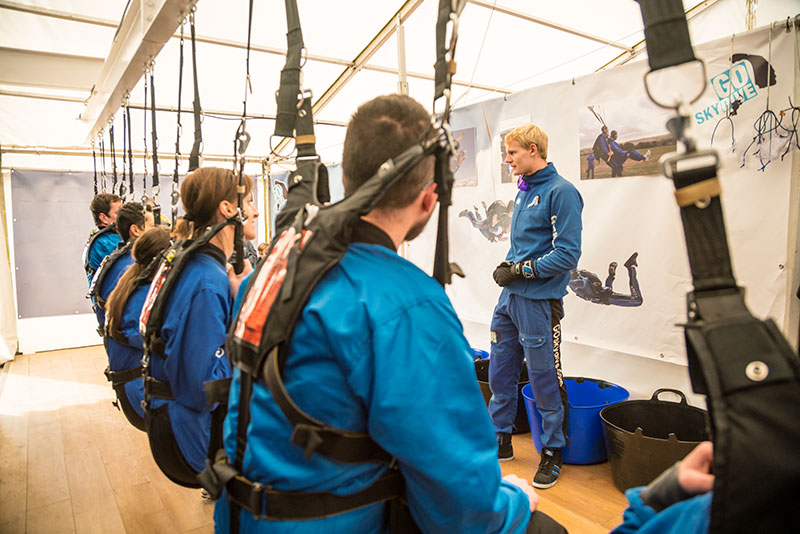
column 628, row 292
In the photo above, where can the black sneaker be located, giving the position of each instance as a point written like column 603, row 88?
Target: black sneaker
column 549, row 469
column 505, row 451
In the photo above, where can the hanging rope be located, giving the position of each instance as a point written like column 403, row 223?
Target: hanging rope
column 766, row 123
column 732, row 105
column 155, row 188
column 144, row 130
column 197, row 147
column 94, row 161
column 175, row 195
column 113, row 158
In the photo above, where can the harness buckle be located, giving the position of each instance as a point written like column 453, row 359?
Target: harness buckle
column 257, row 505
column 307, row 437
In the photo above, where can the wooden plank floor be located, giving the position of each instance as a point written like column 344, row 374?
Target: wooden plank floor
column 71, row 463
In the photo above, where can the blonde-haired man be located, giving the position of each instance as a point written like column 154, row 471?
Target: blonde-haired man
column 545, row 247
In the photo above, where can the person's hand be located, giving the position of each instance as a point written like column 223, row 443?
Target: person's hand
column 694, row 472
column 508, row 272
column 236, row 279
column 533, row 497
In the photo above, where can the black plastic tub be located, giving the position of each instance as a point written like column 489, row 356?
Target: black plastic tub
column 644, row 437
column 521, row 425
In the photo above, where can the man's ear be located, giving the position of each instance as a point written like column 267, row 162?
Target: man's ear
column 104, row 219
column 135, row 231
column 429, row 198
column 534, row 149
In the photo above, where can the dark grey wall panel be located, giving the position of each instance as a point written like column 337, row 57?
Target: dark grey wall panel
column 51, row 222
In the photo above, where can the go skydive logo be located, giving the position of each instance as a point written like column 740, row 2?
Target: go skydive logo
column 737, row 85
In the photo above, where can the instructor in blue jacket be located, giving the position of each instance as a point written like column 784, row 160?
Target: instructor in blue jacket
column 545, row 247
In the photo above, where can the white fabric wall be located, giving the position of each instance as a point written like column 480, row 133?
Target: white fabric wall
column 8, row 317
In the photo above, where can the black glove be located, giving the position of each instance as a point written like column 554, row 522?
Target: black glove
column 508, row 272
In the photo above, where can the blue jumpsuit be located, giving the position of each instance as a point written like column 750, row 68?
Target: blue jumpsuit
column 115, row 272
column 379, row 349
column 691, row 516
column 619, row 156
column 102, row 247
column 123, row 357
column 196, row 318
column 546, row 228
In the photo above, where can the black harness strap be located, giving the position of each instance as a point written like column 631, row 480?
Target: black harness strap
column 155, row 188
column 92, row 238
column 175, row 195
column 197, row 147
column 123, row 192
column 123, row 377
column 144, row 130
column 113, row 159
column 130, row 147
column 103, row 161
column 94, row 161
column 102, row 271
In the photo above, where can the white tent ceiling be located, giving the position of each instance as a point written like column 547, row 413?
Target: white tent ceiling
column 500, row 50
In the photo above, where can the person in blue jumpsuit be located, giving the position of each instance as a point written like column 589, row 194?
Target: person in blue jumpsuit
column 677, row 502
column 619, row 155
column 602, row 150
column 379, row 349
column 132, row 221
column 545, row 247
column 198, row 311
column 590, row 167
column 104, row 208
column 124, row 344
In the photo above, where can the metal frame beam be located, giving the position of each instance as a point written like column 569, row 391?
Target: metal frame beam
column 639, row 47
column 208, row 112
column 145, row 28
column 14, row 6
column 549, row 24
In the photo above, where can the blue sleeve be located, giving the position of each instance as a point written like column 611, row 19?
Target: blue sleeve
column 445, row 449
column 197, row 350
column 130, row 329
column 616, row 148
column 604, row 144
column 565, row 217
column 686, row 517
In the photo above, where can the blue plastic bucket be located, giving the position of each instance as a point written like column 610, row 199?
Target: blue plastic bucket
column 587, row 397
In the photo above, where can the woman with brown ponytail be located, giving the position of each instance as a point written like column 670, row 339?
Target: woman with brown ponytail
column 123, row 341
column 195, row 322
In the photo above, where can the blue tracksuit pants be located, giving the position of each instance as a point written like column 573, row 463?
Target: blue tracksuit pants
column 529, row 329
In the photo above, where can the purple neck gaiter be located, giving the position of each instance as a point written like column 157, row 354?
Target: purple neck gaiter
column 522, row 184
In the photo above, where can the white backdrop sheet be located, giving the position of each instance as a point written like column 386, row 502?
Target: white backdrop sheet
column 636, row 213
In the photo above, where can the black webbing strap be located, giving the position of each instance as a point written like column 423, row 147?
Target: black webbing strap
column 666, row 33
column 312, row 435
column 130, row 148
column 99, row 277
column 94, row 237
column 113, row 159
column 123, row 377
column 155, row 188
column 94, row 160
column 217, row 390
column 194, row 157
column 174, row 195
column 123, row 185
column 103, row 161
column 704, row 227
column 444, row 68
column 154, row 388
column 290, row 75
column 269, row 504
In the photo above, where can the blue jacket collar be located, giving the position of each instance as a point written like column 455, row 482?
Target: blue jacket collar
column 541, row 176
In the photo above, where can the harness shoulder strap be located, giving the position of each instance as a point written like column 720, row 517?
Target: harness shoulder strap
column 102, row 272
column 92, row 239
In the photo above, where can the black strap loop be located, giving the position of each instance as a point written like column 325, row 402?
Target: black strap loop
column 666, row 33
column 123, row 377
column 194, row 157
